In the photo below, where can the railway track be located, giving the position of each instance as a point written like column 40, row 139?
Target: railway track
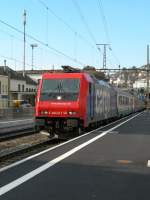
column 17, row 148
column 15, row 134
column 27, row 143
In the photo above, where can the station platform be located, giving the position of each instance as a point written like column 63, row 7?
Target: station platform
column 16, row 124
column 109, row 163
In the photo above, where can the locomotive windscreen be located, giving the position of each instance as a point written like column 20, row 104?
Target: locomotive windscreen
column 60, row 89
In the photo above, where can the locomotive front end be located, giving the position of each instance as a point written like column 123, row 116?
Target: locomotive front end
column 57, row 106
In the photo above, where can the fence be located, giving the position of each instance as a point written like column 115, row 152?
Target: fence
column 16, row 113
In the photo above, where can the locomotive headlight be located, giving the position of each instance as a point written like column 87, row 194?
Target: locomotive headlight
column 59, row 97
column 44, row 112
column 72, row 113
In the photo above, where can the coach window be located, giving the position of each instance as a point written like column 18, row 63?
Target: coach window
column 90, row 87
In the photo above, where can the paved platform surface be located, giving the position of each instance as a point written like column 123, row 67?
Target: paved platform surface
column 12, row 125
column 110, row 163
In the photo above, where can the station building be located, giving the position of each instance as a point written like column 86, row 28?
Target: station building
column 19, row 87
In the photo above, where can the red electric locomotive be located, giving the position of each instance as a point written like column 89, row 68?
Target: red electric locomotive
column 72, row 101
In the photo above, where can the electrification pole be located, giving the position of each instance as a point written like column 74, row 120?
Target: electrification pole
column 24, row 52
column 147, row 75
column 104, row 54
column 33, row 46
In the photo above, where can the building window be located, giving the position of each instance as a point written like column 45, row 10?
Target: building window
column 22, row 88
column 3, row 89
column 18, row 87
column 6, row 88
column 26, row 89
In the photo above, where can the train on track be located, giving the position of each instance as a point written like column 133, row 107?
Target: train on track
column 74, row 101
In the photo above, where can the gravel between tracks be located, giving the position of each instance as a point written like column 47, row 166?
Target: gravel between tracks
column 21, row 143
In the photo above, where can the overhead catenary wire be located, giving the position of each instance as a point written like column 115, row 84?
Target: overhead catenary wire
column 14, row 59
column 21, row 41
column 105, row 24
column 42, row 43
column 104, row 20
column 84, row 21
column 86, row 24
column 65, row 23
column 88, row 28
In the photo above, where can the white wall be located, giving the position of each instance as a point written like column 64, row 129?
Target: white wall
column 14, row 85
column 140, row 84
column 31, row 87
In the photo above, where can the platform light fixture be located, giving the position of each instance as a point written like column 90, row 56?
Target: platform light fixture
column 33, row 46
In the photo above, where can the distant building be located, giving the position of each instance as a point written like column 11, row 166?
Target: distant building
column 19, row 87
column 3, row 89
column 142, row 83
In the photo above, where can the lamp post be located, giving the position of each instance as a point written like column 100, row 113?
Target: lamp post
column 33, row 46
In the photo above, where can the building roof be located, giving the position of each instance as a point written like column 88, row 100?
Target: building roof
column 30, row 81
column 41, row 71
column 5, row 70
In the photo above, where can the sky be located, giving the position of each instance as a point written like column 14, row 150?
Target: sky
column 67, row 31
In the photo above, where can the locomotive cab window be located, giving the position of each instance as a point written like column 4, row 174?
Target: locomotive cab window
column 60, row 89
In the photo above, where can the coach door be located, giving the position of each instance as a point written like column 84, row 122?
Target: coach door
column 91, row 93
